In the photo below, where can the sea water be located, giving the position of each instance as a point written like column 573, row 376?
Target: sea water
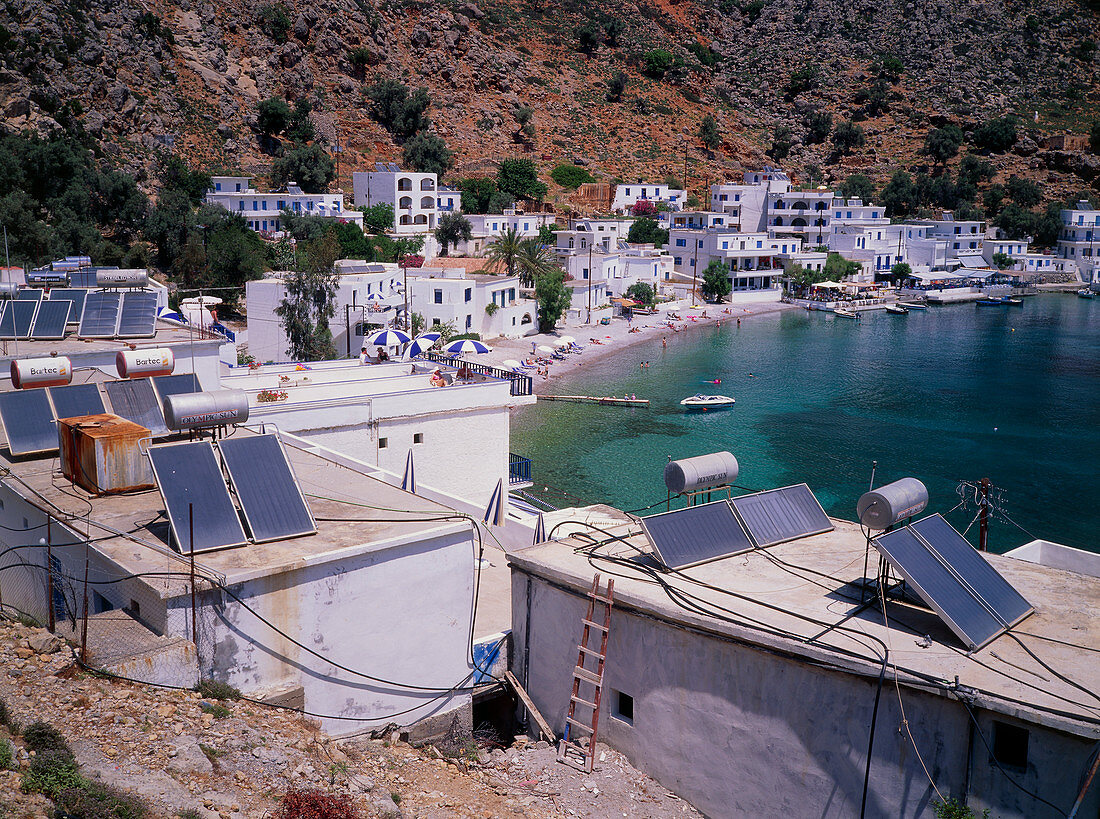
column 948, row 395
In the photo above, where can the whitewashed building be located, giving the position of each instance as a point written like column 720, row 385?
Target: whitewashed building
column 596, row 276
column 414, row 197
column 753, row 259
column 263, row 210
column 629, row 194
column 996, row 241
column 485, row 228
column 1078, row 238
column 964, row 238
column 471, row 302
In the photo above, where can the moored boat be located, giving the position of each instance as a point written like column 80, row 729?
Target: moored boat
column 844, row 312
column 702, row 403
column 897, row 310
column 912, row 305
column 992, row 302
column 1085, row 293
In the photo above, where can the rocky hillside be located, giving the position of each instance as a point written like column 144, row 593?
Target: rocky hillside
column 188, row 74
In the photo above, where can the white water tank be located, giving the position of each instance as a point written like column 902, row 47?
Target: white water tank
column 885, row 506
column 701, row 472
column 145, row 363
column 122, row 278
column 205, row 409
column 55, row 371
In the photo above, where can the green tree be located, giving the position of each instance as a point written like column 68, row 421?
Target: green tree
column 399, row 110
column 848, row 137
column 476, row 194
column 658, row 62
column 300, row 127
column 781, row 143
column 943, row 143
column 1016, row 221
column 616, row 86
column 308, row 165
column 647, row 231
column 642, row 292
column 173, row 174
column 993, row 199
column 234, row 255
column 519, row 178
column 1048, row 224
column 891, row 68
column 533, row 261
column 1094, row 137
column 505, row 249
column 901, row 270
column 310, row 302
column 1024, row 192
column 1002, row 261
column 708, row 132
column 274, row 21
column 613, row 27
column 858, row 186
column 453, row 228
column 360, row 58
column 802, row 80
column 282, row 253
column 818, row 126
column 546, row 233
column 706, row 57
column 588, row 36
column 900, row 195
column 378, row 218
column 837, row 268
column 571, row 176
column 973, row 171
column 800, row 277
column 996, row 135
column 553, row 298
column 716, row 282
column 427, row 153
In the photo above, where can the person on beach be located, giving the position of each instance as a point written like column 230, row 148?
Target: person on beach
column 382, row 355
column 664, row 341
column 437, row 379
column 364, row 359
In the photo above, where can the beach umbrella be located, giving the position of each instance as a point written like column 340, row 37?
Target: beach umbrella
column 386, row 338
column 375, row 297
column 561, row 342
column 544, row 348
column 431, row 336
column 419, row 345
column 408, row 481
column 510, row 362
column 540, row 531
column 494, row 512
column 567, row 339
column 466, row 345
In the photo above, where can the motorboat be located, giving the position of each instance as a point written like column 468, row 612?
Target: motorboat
column 1085, row 293
column 702, row 403
column 845, row 312
column 1014, row 301
column 991, row 301
column 913, row 305
column 897, row 310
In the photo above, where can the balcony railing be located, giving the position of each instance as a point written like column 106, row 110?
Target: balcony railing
column 521, row 384
column 519, row 469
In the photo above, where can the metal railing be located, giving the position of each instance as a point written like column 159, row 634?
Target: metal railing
column 521, row 384
column 519, row 469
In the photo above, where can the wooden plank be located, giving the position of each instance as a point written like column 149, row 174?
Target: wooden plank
column 544, row 727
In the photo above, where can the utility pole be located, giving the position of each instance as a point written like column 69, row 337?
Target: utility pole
column 405, row 275
column 686, row 186
column 983, row 524
column 588, row 320
column 694, row 268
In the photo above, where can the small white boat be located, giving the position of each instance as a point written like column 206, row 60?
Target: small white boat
column 897, row 310
column 844, row 312
column 912, row 305
column 703, row 403
column 1086, row 293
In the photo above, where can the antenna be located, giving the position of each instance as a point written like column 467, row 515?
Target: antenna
column 874, row 466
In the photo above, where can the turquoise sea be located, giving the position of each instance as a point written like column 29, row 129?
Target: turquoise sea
column 945, row 395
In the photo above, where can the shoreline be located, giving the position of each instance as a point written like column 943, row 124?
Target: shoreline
column 617, row 337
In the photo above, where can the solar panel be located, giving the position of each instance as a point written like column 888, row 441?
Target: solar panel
column 270, row 497
column 188, row 475
column 178, row 384
column 76, row 400
column 139, row 314
column 73, row 294
column 51, row 319
column 975, row 602
column 82, row 278
column 17, row 319
column 100, row 316
column 135, row 401
column 28, row 421
column 29, row 294
column 779, row 515
column 686, row 537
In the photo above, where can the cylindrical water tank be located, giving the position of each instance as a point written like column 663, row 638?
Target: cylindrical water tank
column 55, row 371
column 145, row 363
column 701, row 472
column 205, row 409
column 52, row 278
column 8, row 290
column 885, row 506
column 121, row 278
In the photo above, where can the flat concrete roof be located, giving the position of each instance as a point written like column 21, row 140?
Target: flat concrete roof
column 815, row 579
column 166, row 334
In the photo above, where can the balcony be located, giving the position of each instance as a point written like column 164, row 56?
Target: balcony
column 519, row 470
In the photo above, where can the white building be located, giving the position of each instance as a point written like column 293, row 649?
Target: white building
column 628, row 195
column 753, row 259
column 263, row 211
column 596, row 275
column 368, row 297
column 607, row 233
column 747, row 201
column 702, row 219
column 1078, row 238
column 964, row 238
column 471, row 302
column 996, row 241
column 412, row 195
column 448, row 199
column 486, row 228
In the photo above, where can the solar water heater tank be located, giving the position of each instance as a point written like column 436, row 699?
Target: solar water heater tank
column 54, row 371
column 883, row 507
column 700, row 472
column 205, row 409
column 121, row 278
column 145, row 363
column 8, row 290
column 102, row 453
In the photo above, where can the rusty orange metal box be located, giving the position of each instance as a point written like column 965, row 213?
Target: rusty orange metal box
column 102, row 453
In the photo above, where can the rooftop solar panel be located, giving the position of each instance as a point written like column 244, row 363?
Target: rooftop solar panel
column 28, row 422
column 135, row 401
column 139, row 314
column 76, row 400
column 178, row 384
column 100, row 316
column 686, row 537
column 264, row 481
column 983, row 580
column 17, row 318
column 29, row 294
column 51, row 319
column 82, row 278
column 188, row 475
column 779, row 515
column 74, row 295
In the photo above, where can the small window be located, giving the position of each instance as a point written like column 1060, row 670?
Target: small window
column 26, row 524
column 135, row 608
column 622, row 707
column 1010, row 744
column 418, row 437
column 383, row 443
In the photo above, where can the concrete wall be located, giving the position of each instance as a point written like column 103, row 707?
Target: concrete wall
column 739, row 731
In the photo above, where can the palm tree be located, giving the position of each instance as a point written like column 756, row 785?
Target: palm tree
column 506, row 249
column 533, row 260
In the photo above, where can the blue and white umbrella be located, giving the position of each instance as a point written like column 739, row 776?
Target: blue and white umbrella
column 466, row 345
column 540, row 531
column 387, row 338
column 408, row 482
column 420, row 344
column 494, row 513
column 375, row 297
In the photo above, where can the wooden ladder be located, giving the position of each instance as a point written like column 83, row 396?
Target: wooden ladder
column 585, row 746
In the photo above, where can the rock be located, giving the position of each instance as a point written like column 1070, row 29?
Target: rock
column 1025, row 146
column 187, row 757
column 23, row 653
column 44, row 643
column 471, row 10
column 385, row 808
column 19, row 107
